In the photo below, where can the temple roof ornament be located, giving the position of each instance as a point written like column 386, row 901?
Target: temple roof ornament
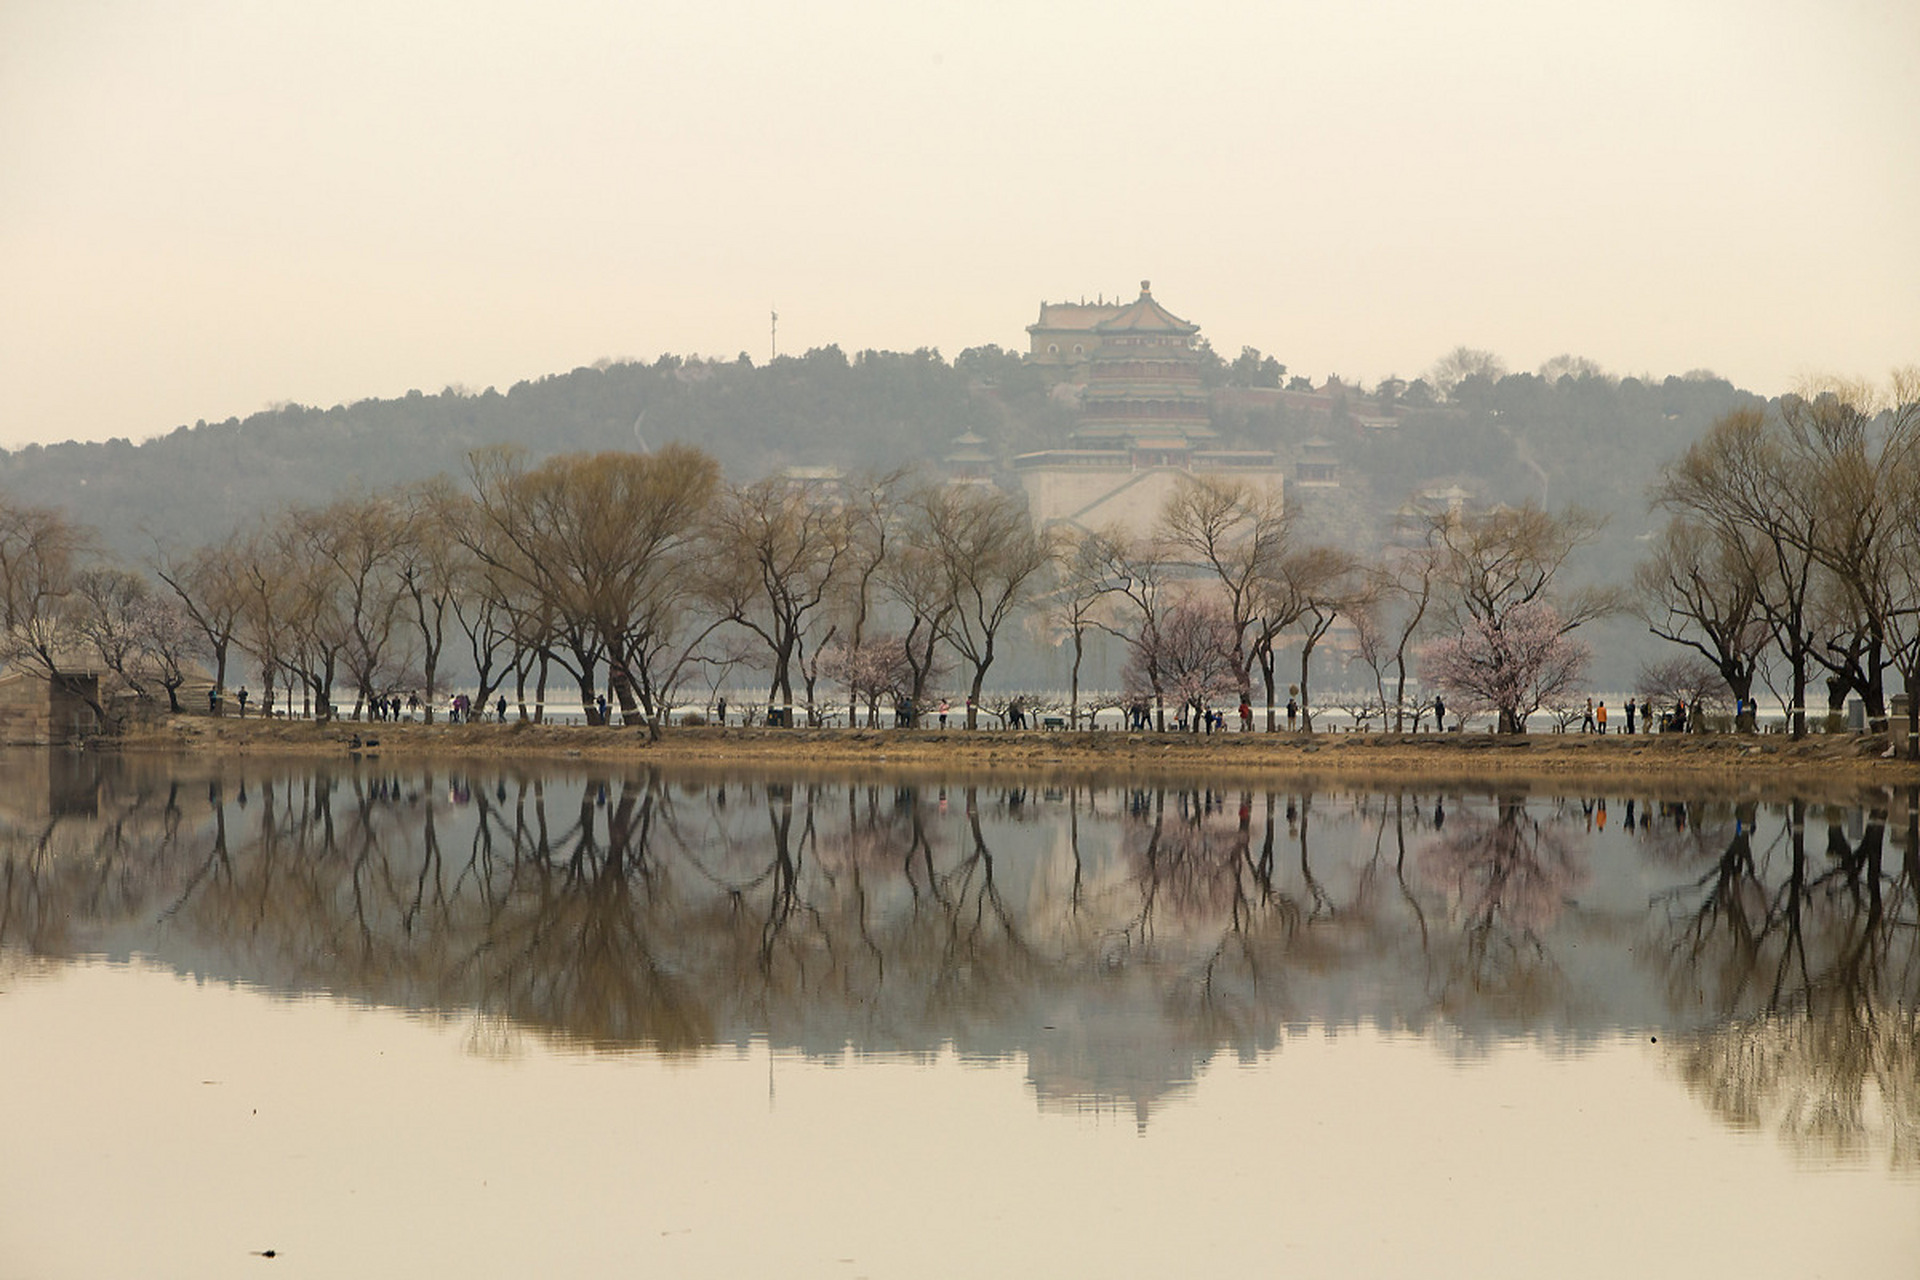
column 1145, row 316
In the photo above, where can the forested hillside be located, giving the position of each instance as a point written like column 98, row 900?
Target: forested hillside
column 1589, row 438
column 878, row 408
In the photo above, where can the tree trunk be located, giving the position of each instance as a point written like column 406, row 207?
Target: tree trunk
column 623, row 691
column 323, row 694
column 1912, row 687
column 1306, row 704
column 1073, row 689
column 1797, row 714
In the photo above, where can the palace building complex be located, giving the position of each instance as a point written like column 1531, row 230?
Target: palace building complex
column 1144, row 421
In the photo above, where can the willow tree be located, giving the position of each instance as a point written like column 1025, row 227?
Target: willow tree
column 210, row 584
column 40, row 552
column 354, row 549
column 1700, row 587
column 779, row 553
column 605, row 545
column 1741, row 481
column 1865, row 446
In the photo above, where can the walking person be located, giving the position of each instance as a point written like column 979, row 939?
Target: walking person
column 242, row 696
column 1439, row 714
column 1630, row 711
column 1586, row 721
column 1293, row 711
column 946, row 709
column 1600, row 717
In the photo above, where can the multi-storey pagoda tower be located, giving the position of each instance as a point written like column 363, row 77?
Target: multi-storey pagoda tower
column 1143, row 391
column 1144, row 424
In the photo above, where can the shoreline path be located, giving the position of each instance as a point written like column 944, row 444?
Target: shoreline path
column 1838, row 759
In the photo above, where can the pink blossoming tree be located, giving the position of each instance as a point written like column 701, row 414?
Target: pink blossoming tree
column 1511, row 664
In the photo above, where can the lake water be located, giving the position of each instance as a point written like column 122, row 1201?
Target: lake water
column 396, row 1020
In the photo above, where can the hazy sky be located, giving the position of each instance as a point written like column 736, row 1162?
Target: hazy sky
column 208, row 207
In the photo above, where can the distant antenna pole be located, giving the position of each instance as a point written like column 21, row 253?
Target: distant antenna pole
column 773, row 338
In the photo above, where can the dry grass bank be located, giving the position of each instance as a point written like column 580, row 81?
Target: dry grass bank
column 1838, row 760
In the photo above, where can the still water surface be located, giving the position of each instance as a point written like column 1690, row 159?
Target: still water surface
column 398, row 1020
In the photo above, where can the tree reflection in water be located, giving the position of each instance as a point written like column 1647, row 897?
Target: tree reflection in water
column 1117, row 936
column 1505, row 879
column 1808, row 962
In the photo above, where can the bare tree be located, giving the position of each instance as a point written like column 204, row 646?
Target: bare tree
column 1462, row 363
column 778, row 551
column 264, row 624
column 1510, row 558
column 604, row 545
column 1701, row 589
column 1308, row 590
column 353, row 550
column 432, row 569
column 40, row 551
column 872, row 512
column 1340, row 590
column 1188, row 657
column 1692, row 680
column 1083, row 593
column 1236, row 533
column 1867, row 447
column 1139, row 571
column 316, row 629
column 1742, row 481
column 210, row 584
column 140, row 639
column 916, row 580
column 994, row 564
column 1401, row 592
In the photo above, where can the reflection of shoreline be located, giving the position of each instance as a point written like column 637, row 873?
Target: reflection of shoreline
column 1117, row 937
column 1841, row 1084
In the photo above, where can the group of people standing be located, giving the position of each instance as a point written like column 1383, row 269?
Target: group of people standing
column 1639, row 712
column 461, row 710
